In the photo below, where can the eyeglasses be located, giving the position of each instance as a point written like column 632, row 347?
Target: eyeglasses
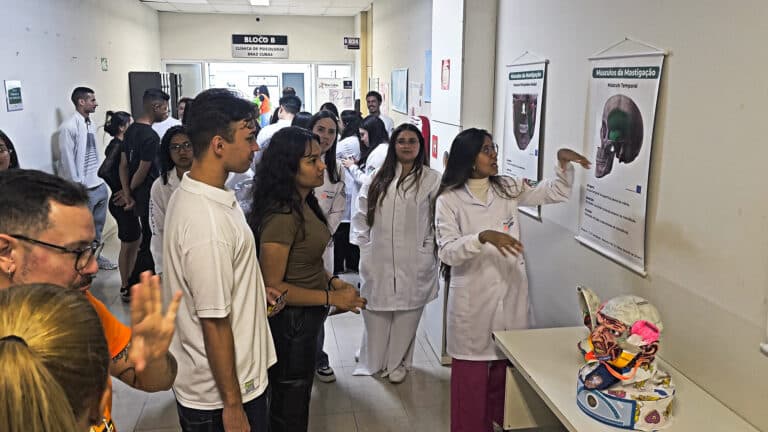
column 83, row 255
column 178, row 148
column 490, row 150
column 409, row 142
column 4, row 150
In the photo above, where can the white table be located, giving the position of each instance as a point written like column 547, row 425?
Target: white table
column 548, row 359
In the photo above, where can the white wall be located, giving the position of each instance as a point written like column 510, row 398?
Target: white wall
column 209, row 36
column 402, row 32
column 53, row 46
column 707, row 252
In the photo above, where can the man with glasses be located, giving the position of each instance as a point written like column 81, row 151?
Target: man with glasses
column 138, row 169
column 175, row 160
column 78, row 159
column 47, row 235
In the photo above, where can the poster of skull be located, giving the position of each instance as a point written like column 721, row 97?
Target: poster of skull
column 621, row 109
column 523, row 120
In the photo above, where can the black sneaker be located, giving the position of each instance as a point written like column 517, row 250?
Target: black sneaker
column 325, row 374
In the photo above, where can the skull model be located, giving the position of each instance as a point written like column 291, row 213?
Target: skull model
column 620, row 383
column 524, row 118
column 621, row 134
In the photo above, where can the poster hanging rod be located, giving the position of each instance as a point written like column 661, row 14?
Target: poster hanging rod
column 538, row 60
column 640, row 271
column 656, row 50
column 618, row 56
column 545, row 61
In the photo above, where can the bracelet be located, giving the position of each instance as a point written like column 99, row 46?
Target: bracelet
column 330, row 282
column 327, row 298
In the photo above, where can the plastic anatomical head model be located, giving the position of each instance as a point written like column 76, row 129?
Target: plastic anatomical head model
column 620, row 384
column 524, row 118
column 621, row 134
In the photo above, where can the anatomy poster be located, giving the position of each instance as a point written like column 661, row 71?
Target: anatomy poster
column 523, row 122
column 620, row 119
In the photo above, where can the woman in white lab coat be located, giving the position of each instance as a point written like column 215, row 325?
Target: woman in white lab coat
column 398, row 265
column 347, row 256
column 478, row 239
column 332, row 200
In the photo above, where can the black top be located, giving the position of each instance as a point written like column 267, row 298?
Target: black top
column 110, row 168
column 142, row 144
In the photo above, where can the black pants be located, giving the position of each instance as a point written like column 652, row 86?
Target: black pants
column 193, row 420
column 346, row 256
column 144, row 259
column 294, row 331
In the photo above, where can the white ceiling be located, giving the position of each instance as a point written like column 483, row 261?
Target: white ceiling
column 276, row 7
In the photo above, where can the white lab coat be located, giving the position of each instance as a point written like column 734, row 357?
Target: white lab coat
column 159, row 196
column 374, row 161
column 333, row 200
column 346, row 148
column 398, row 264
column 487, row 292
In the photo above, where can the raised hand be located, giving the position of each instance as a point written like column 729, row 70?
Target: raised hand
column 152, row 330
column 565, row 155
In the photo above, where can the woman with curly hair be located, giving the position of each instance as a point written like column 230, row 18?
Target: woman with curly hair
column 8, row 156
column 292, row 233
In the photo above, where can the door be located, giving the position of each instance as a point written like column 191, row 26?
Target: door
column 296, row 80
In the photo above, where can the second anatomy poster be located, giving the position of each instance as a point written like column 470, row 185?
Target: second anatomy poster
column 620, row 119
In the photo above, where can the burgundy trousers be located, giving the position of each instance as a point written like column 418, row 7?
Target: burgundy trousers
column 477, row 395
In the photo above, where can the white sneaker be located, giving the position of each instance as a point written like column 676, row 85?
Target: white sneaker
column 325, row 374
column 398, row 375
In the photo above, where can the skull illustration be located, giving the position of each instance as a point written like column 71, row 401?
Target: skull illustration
column 621, row 134
column 524, row 118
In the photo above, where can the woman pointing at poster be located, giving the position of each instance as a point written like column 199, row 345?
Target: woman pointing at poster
column 478, row 239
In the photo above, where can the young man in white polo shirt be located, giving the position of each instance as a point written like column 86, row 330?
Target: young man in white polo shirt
column 223, row 343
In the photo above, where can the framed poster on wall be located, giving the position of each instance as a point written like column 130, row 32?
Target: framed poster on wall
column 400, row 90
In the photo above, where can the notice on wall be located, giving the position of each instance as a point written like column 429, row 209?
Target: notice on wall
column 523, row 143
column 13, row 100
column 259, row 46
column 445, row 74
column 621, row 111
column 336, row 90
column 415, row 98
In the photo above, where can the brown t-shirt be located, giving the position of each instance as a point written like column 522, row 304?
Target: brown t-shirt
column 305, row 260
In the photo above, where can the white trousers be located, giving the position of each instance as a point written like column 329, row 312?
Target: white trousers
column 388, row 340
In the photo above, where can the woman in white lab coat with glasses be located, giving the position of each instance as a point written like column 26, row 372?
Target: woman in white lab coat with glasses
column 398, row 264
column 478, row 239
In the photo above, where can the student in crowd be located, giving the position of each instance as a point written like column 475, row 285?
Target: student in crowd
column 374, row 142
column 302, row 119
column 8, row 156
column 289, row 91
column 398, row 266
column 47, row 235
column 162, row 127
column 223, row 344
column 332, row 200
column 128, row 227
column 330, row 106
column 346, row 255
column 289, row 107
column 292, row 234
column 138, row 170
column 184, row 103
column 373, row 101
column 175, row 160
column 261, row 100
column 478, row 239
column 53, row 359
column 79, row 159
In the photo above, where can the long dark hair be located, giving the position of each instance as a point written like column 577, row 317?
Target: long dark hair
column 8, row 143
column 274, row 184
column 166, row 162
column 386, row 174
column 377, row 134
column 351, row 120
column 461, row 160
column 330, row 154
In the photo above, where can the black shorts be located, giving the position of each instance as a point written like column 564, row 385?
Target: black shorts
column 128, row 228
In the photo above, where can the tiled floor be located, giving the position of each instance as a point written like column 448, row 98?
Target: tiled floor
column 351, row 404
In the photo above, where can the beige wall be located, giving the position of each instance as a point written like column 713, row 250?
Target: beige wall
column 209, row 36
column 707, row 251
column 52, row 46
column 401, row 33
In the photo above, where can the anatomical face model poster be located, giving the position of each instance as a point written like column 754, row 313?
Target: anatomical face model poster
column 523, row 140
column 620, row 119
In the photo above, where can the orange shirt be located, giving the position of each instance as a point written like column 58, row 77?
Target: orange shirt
column 118, row 335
